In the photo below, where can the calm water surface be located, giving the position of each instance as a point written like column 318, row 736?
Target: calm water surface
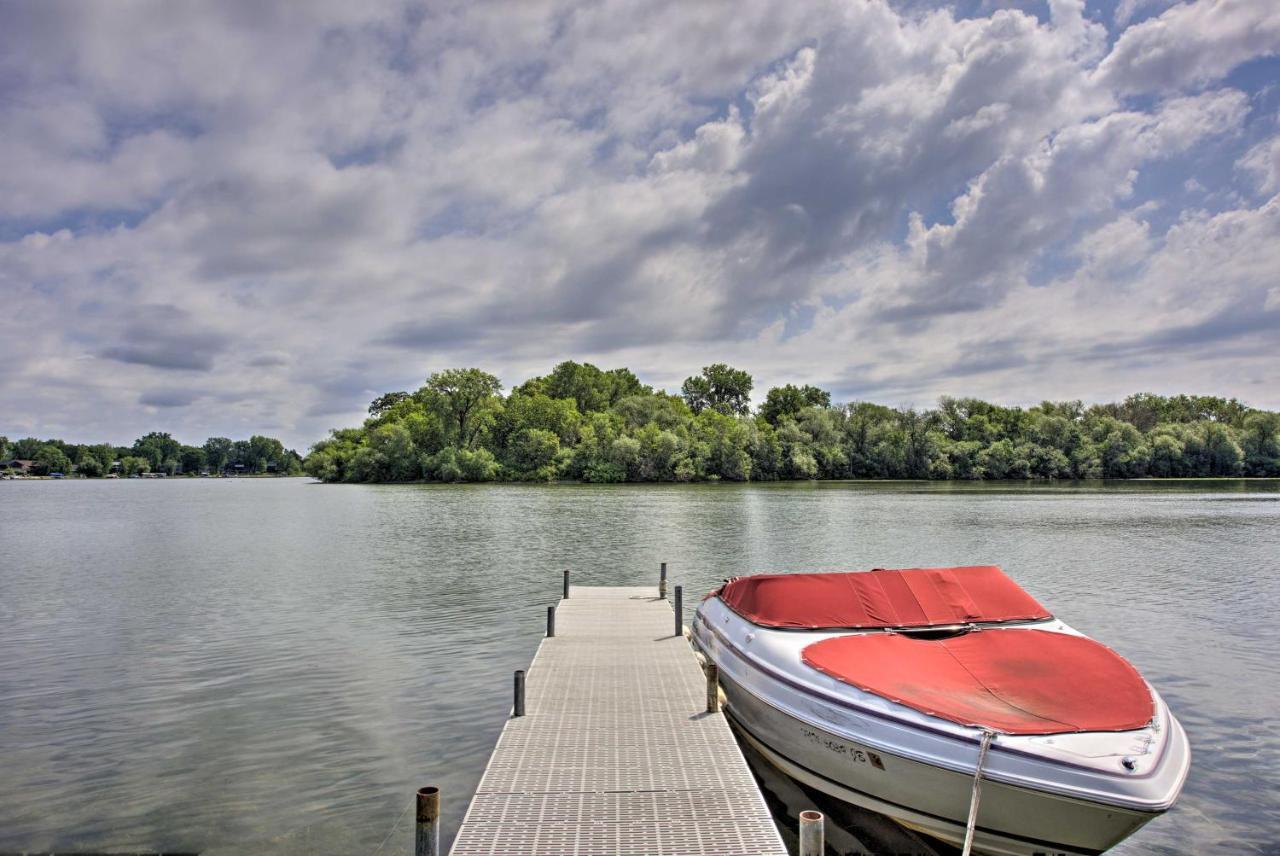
column 239, row 666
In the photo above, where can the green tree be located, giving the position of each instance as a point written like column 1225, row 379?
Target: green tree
column 90, row 467
column 788, row 400
column 266, row 454
column 723, row 440
column 102, row 454
column 668, row 412
column 465, row 398
column 1167, row 452
column 157, row 448
column 1261, row 444
column 132, row 465
column 386, row 402
column 452, row 464
column 217, row 453
column 241, row 454
column 533, row 453
column 388, row 455
column 1223, row 455
column 520, row 411
column 963, row 456
column 192, row 460
column 1003, row 460
column 51, row 459
column 797, row 460
column 590, row 388
column 26, row 448
column 721, row 388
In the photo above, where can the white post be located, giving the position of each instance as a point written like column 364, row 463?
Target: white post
column 811, row 837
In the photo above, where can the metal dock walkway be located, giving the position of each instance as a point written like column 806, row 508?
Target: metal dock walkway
column 616, row 754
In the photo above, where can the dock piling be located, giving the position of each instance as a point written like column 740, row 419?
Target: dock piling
column 662, row 582
column 811, row 833
column 427, row 840
column 566, row 585
column 551, row 621
column 679, row 610
column 713, row 688
column 518, row 706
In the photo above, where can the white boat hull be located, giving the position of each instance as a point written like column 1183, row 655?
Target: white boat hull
column 919, row 770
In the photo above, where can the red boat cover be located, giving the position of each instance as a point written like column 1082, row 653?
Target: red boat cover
column 918, row 597
column 1017, row 681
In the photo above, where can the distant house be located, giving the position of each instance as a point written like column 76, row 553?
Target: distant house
column 18, row 465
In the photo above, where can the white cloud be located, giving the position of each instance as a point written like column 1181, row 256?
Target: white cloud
column 1262, row 162
column 1191, row 44
column 231, row 219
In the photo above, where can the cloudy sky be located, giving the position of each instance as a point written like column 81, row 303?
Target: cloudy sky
column 227, row 218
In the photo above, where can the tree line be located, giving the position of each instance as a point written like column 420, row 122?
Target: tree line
column 154, row 453
column 583, row 423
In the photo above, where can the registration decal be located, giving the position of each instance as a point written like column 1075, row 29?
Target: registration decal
column 839, row 748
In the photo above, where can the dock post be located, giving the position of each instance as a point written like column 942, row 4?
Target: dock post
column 518, row 706
column 679, row 610
column 811, row 837
column 566, row 585
column 662, row 582
column 713, row 688
column 427, row 840
column 551, row 621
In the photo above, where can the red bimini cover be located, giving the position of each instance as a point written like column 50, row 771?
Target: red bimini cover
column 917, row 597
column 1017, row 681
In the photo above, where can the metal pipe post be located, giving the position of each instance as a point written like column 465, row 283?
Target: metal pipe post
column 811, row 837
column 427, row 840
column 662, row 582
column 551, row 621
column 566, row 585
column 713, row 688
column 679, row 610
column 518, row 706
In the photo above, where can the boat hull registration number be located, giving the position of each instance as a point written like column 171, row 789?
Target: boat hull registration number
column 837, row 747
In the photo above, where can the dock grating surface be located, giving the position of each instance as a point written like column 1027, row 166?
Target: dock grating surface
column 616, row 754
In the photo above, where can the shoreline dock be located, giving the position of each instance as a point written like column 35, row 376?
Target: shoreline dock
column 616, row 751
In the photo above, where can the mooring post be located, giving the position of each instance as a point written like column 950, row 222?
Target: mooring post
column 518, row 706
column 551, row 621
column 811, row 837
column 427, row 840
column 662, row 582
column 566, row 585
column 679, row 610
column 713, row 688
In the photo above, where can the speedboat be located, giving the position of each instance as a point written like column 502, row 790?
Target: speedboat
column 947, row 699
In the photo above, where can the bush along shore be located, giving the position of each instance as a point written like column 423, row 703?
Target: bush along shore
column 583, row 423
column 155, row 454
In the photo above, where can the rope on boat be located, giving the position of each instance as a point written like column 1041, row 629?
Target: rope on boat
column 976, row 796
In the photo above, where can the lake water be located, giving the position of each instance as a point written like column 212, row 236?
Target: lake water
column 239, row 666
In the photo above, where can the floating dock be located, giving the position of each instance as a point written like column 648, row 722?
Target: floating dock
column 616, row 752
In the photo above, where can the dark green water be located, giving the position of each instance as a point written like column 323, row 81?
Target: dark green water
column 274, row 666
